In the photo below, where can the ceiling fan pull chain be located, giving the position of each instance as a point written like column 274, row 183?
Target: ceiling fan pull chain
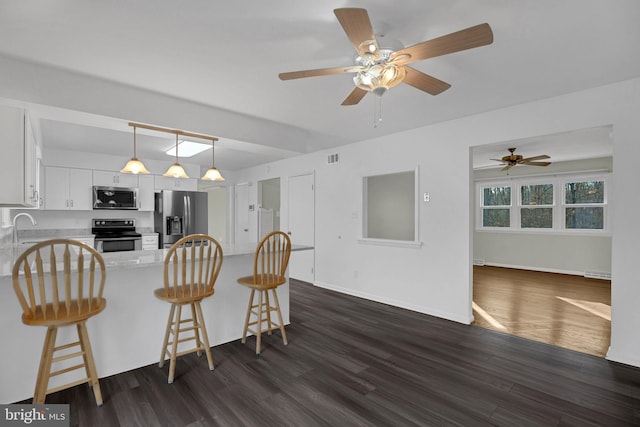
column 377, row 110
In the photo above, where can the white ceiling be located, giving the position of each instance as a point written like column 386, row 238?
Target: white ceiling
column 228, row 55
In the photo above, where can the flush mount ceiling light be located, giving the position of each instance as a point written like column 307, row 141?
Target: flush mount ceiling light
column 212, row 173
column 176, row 170
column 134, row 165
column 188, row 148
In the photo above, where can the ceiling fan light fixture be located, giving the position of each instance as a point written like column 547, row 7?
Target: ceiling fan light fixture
column 134, row 166
column 379, row 78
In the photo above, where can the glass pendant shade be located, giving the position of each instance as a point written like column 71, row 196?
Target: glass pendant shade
column 176, row 170
column 212, row 174
column 134, row 166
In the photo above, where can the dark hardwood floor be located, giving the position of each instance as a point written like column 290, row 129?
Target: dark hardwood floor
column 355, row 362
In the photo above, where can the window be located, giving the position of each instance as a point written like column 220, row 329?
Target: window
column 536, row 206
column 390, row 208
column 551, row 204
column 496, row 210
column 584, row 205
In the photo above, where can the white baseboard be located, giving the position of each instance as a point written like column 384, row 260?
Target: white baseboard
column 397, row 303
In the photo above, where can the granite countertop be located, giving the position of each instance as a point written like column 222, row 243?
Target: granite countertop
column 128, row 259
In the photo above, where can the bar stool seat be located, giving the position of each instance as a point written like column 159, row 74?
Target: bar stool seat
column 57, row 294
column 269, row 272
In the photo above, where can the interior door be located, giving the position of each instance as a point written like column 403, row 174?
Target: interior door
column 242, row 213
column 302, row 226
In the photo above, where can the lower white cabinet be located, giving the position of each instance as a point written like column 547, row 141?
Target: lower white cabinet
column 150, row 242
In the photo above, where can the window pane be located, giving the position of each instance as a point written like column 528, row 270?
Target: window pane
column 537, row 194
column 536, row 218
column 585, row 218
column 497, row 196
column 495, row 218
column 584, row 192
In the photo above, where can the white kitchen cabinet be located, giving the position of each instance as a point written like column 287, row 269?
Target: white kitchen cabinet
column 68, row 189
column 150, row 242
column 146, row 192
column 114, row 179
column 167, row 183
column 19, row 173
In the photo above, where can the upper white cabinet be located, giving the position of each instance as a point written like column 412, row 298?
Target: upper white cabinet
column 68, row 189
column 19, row 173
column 114, row 179
column 167, row 183
column 146, row 192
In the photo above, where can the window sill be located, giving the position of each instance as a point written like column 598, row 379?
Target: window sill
column 394, row 243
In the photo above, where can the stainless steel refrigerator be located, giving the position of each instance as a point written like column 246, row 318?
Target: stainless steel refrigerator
column 178, row 214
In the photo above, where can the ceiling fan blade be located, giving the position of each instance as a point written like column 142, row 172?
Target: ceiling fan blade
column 498, row 160
column 354, row 97
column 543, row 156
column 476, row 36
column 424, row 82
column 536, row 163
column 319, row 72
column 506, row 168
column 357, row 25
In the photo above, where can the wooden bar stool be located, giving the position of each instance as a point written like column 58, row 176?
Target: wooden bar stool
column 59, row 283
column 269, row 272
column 191, row 268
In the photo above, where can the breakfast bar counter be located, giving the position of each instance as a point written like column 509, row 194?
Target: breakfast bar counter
column 128, row 333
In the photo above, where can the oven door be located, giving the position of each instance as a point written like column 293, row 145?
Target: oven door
column 118, row 244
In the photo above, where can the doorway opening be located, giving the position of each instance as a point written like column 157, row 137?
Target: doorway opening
column 539, row 272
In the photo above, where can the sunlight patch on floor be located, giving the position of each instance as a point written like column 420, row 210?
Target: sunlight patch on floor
column 597, row 308
column 489, row 318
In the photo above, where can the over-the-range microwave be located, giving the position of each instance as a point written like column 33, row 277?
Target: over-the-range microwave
column 115, row 198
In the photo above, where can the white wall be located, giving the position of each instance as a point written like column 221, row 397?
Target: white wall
column 437, row 277
column 217, row 213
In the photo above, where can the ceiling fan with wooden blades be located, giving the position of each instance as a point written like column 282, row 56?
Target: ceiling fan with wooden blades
column 378, row 69
column 513, row 159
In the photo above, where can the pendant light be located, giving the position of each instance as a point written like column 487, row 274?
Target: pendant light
column 175, row 170
column 134, row 165
column 212, row 173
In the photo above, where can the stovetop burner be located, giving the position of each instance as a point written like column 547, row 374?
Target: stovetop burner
column 114, row 228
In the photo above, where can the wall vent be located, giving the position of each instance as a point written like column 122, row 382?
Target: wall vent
column 333, row 159
column 478, row 262
column 597, row 275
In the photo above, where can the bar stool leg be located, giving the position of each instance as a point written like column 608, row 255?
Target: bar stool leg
column 284, row 334
column 259, row 323
column 89, row 363
column 163, row 355
column 268, row 307
column 248, row 317
column 45, row 365
column 196, row 329
column 174, row 347
column 205, row 336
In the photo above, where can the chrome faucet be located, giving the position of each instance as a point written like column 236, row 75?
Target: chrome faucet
column 15, row 229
